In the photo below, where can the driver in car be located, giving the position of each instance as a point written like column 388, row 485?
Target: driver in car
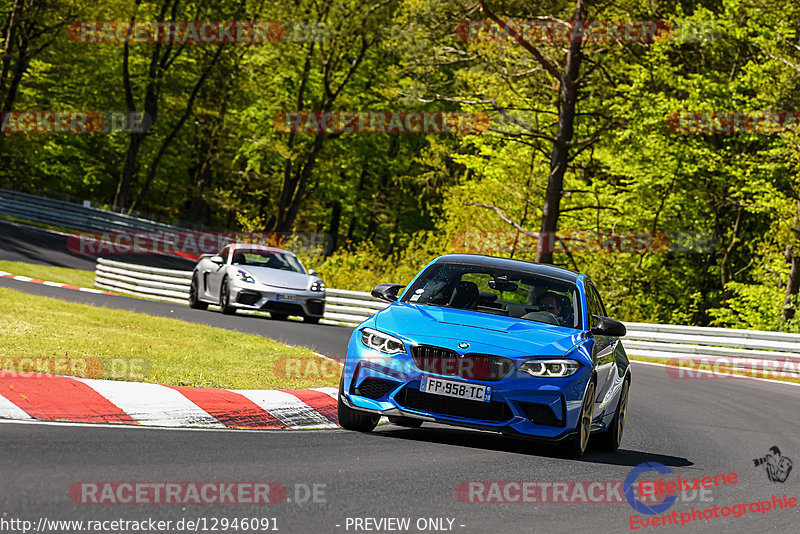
column 553, row 303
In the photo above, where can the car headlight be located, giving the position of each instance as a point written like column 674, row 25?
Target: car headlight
column 381, row 342
column 550, row 368
column 244, row 276
column 318, row 286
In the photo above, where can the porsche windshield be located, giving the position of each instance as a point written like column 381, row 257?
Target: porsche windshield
column 271, row 260
column 498, row 292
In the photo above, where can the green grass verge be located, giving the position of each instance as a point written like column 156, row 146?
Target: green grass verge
column 77, row 339
column 723, row 370
column 63, row 275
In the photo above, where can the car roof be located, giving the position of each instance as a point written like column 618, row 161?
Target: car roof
column 253, row 246
column 541, row 269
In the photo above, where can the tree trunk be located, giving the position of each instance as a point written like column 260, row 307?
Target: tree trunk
column 165, row 144
column 333, row 227
column 792, row 285
column 559, row 158
column 129, row 170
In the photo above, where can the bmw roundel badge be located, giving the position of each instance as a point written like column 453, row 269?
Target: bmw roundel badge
column 463, row 345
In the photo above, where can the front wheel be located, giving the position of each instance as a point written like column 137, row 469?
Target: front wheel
column 610, row 439
column 576, row 446
column 194, row 296
column 351, row 419
column 225, row 299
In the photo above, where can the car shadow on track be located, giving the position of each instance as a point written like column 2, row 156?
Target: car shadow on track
column 497, row 442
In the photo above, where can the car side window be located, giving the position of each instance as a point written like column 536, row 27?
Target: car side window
column 599, row 302
column 225, row 253
column 595, row 304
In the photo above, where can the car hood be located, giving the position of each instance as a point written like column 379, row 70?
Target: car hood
column 276, row 277
column 447, row 327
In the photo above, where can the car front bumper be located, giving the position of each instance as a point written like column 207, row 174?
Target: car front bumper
column 521, row 405
column 257, row 296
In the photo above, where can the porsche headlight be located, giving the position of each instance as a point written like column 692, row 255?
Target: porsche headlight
column 244, row 276
column 550, row 368
column 381, row 342
column 318, row 285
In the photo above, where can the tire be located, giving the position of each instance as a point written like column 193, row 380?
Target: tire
column 576, row 445
column 408, row 422
column 278, row 316
column 610, row 439
column 194, row 299
column 312, row 320
column 225, row 299
column 351, row 419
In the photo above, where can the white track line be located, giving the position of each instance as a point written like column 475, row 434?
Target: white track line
column 122, row 426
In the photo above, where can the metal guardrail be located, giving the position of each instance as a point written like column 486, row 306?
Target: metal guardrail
column 75, row 216
column 341, row 306
column 726, row 348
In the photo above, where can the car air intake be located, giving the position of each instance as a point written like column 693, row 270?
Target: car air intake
column 375, row 388
column 316, row 307
column 446, row 362
column 248, row 297
column 540, row 414
column 412, row 397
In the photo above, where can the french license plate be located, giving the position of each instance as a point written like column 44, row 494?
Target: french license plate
column 451, row 388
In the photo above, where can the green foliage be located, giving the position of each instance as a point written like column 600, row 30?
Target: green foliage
column 393, row 202
column 753, row 306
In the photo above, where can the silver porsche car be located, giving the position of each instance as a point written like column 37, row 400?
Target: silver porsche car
column 257, row 277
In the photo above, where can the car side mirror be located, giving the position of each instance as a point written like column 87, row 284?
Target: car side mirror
column 217, row 259
column 387, row 292
column 313, row 272
column 608, row 327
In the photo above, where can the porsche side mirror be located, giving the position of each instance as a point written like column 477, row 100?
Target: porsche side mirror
column 313, row 272
column 387, row 292
column 217, row 259
column 608, row 327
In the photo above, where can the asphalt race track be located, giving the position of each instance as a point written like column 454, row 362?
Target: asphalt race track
column 695, row 427
column 31, row 245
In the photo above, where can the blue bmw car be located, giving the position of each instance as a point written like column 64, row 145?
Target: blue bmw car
column 494, row 344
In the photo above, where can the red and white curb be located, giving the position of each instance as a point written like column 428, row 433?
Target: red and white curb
column 20, row 278
column 29, row 396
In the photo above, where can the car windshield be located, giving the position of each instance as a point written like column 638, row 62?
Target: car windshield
column 494, row 291
column 271, row 260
